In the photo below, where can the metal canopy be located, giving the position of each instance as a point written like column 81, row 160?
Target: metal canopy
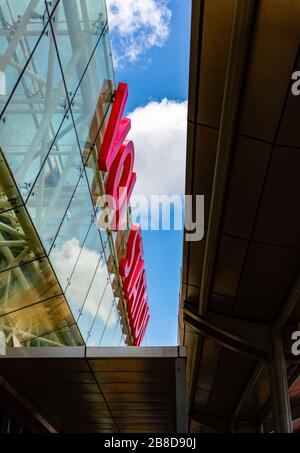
column 240, row 284
column 124, row 389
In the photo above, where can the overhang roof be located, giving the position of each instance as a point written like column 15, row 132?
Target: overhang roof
column 92, row 389
column 243, row 276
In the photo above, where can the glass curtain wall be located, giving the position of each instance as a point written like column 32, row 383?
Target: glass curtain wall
column 56, row 64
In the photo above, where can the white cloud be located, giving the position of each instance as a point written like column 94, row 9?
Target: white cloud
column 63, row 261
column 136, row 26
column 159, row 135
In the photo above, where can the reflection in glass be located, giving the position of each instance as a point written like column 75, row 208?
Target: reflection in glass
column 66, row 336
column 117, row 333
column 105, row 321
column 93, row 96
column 20, row 243
column 78, row 26
column 34, row 321
column 110, row 328
column 122, row 342
column 9, row 194
column 94, row 304
column 73, row 233
column 82, row 275
column 27, row 284
column 95, row 182
column 36, row 108
column 57, row 181
column 53, row 126
column 21, row 25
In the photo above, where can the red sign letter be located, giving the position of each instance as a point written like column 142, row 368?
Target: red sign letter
column 116, row 131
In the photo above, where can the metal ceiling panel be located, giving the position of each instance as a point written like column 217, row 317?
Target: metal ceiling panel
column 274, row 46
column 131, row 392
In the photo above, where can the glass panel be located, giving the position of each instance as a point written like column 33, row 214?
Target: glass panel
column 92, row 305
column 91, row 107
column 34, row 321
column 121, row 341
column 21, row 25
column 37, row 108
column 78, row 27
column 72, row 234
column 117, row 334
column 110, row 327
column 20, row 243
column 93, row 97
column 55, row 186
column 67, row 336
column 9, row 195
column 92, row 173
column 84, row 271
column 27, row 284
column 105, row 243
column 94, row 183
column 104, row 317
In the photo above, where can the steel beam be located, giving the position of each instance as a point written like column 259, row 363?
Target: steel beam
column 6, row 243
column 281, row 409
column 216, row 423
column 292, row 301
column 239, row 42
column 224, row 338
column 12, row 231
column 246, row 392
column 21, row 405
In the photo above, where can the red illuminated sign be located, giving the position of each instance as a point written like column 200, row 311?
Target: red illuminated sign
column 116, row 158
column 133, row 274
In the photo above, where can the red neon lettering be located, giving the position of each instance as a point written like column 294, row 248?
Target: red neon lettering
column 139, row 287
column 116, row 157
column 133, row 264
column 138, row 341
column 127, row 262
column 136, row 329
column 131, row 283
column 134, row 280
column 120, row 174
column 139, row 338
column 140, row 314
column 122, row 201
column 116, row 131
column 135, row 306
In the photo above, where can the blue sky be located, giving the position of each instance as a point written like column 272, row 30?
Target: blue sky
column 153, row 59
column 163, row 72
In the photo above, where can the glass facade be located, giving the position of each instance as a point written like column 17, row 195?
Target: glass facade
column 59, row 283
